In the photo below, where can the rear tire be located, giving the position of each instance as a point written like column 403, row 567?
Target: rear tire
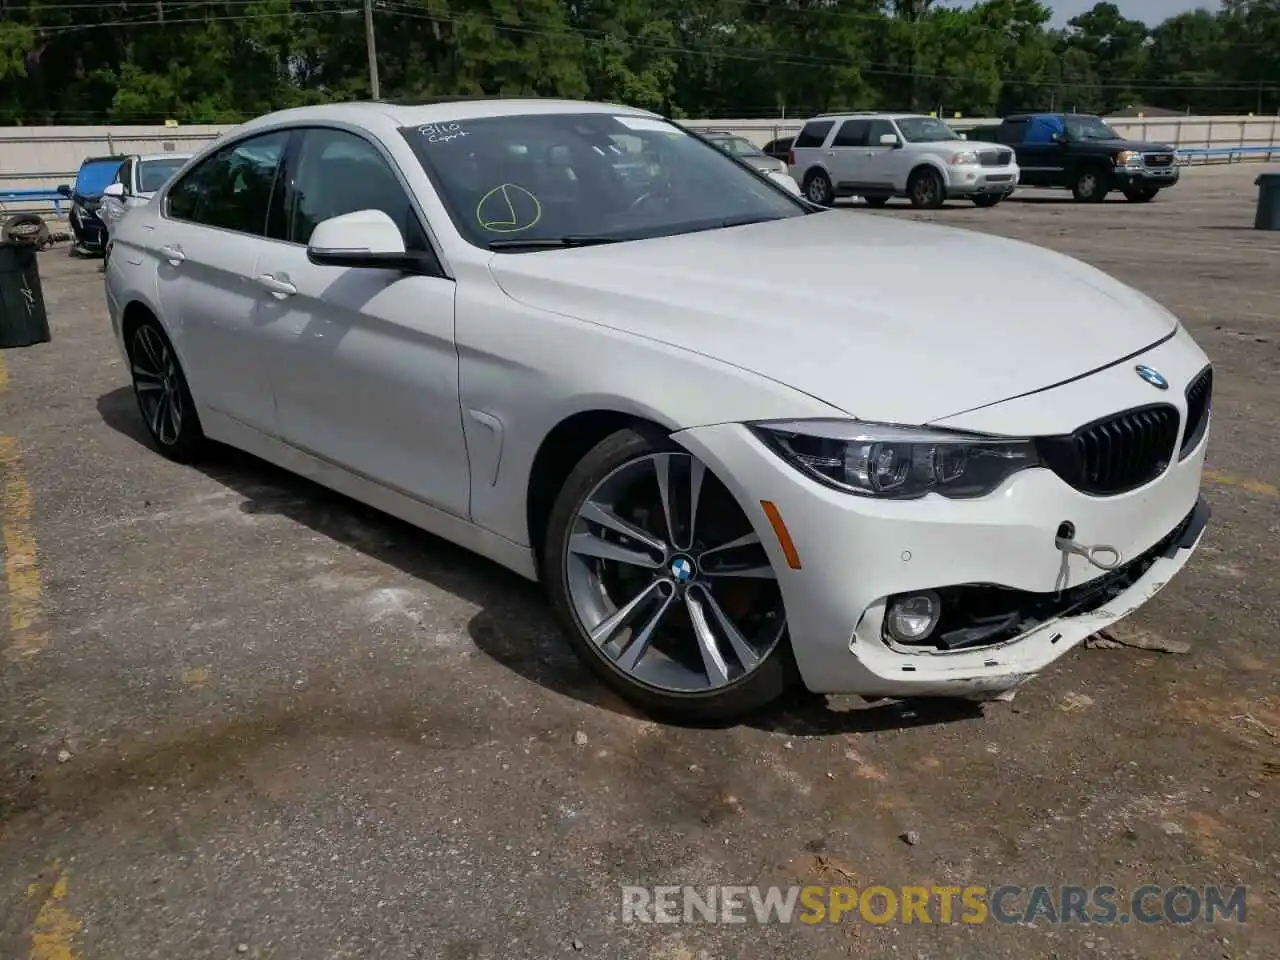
column 1090, row 185
column 987, row 199
column 926, row 190
column 609, row 545
column 1141, row 194
column 164, row 399
column 817, row 187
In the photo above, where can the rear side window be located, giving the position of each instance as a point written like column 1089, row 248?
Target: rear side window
column 1011, row 131
column 852, row 133
column 232, row 189
column 814, row 134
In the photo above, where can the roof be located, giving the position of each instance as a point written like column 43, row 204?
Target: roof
column 873, row 114
column 443, row 110
column 145, row 157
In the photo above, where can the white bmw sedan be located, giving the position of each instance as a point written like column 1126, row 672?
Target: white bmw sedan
column 741, row 440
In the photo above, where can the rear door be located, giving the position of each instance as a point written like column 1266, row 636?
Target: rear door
column 215, row 226
column 369, row 376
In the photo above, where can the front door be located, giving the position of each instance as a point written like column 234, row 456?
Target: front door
column 217, row 222
column 882, row 161
column 369, row 377
column 847, row 156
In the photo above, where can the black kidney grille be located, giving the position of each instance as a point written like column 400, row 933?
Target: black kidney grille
column 1199, row 399
column 1115, row 455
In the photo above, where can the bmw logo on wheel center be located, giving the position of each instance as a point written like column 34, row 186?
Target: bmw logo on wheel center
column 1152, row 376
column 682, row 569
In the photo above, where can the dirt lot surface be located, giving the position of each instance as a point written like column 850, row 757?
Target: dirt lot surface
column 241, row 716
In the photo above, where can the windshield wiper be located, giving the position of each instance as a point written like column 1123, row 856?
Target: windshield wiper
column 548, row 243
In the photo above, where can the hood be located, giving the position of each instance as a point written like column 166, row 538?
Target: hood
column 884, row 319
column 1141, row 146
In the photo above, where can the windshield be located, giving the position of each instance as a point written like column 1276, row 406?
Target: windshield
column 587, row 176
column 1090, row 128
column 154, row 174
column 94, row 176
column 737, row 146
column 925, row 130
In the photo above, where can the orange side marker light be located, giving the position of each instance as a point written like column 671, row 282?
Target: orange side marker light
column 780, row 531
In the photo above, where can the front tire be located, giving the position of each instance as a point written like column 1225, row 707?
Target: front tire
column 1141, row 194
column 164, row 399
column 1090, row 185
column 926, row 189
column 986, row 199
column 662, row 585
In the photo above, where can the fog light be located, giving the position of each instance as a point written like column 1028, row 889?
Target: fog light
column 913, row 616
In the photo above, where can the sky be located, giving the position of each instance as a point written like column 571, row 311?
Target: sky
column 1150, row 12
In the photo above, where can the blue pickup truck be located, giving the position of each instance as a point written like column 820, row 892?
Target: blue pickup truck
column 1081, row 153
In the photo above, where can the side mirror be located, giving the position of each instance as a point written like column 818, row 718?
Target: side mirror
column 889, row 140
column 1059, row 138
column 63, row 190
column 363, row 238
column 964, row 136
column 114, row 190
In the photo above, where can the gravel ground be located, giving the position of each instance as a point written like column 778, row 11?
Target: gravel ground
column 241, row 716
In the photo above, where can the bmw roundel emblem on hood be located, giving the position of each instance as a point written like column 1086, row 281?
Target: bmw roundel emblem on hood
column 1152, row 376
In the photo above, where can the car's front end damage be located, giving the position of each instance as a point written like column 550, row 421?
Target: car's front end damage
column 971, row 595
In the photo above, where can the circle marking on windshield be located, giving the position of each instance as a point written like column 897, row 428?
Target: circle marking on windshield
column 508, row 208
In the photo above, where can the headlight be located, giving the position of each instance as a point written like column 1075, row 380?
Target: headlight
column 1128, row 158
column 963, row 157
column 899, row 463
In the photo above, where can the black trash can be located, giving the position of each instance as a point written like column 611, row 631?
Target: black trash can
column 1268, row 215
column 23, row 318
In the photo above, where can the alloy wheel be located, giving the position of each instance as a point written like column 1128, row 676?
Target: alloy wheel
column 158, row 384
column 668, row 580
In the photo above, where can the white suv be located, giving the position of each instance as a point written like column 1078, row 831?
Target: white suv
column 881, row 155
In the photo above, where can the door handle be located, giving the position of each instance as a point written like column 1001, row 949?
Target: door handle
column 279, row 288
column 831, row 153
column 173, row 254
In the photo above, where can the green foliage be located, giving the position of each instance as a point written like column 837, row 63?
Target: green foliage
column 144, row 61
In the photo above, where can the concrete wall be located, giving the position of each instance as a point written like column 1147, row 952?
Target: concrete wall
column 1187, row 132
column 33, row 157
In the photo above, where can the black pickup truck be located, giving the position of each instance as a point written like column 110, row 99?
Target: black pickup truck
column 1083, row 154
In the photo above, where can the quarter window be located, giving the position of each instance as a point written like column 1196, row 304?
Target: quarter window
column 232, row 189
column 814, row 134
column 339, row 172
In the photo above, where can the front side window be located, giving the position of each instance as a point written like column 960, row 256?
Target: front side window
column 339, row 172
column 590, row 176
column 154, row 174
column 878, row 129
column 231, row 189
column 925, row 130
